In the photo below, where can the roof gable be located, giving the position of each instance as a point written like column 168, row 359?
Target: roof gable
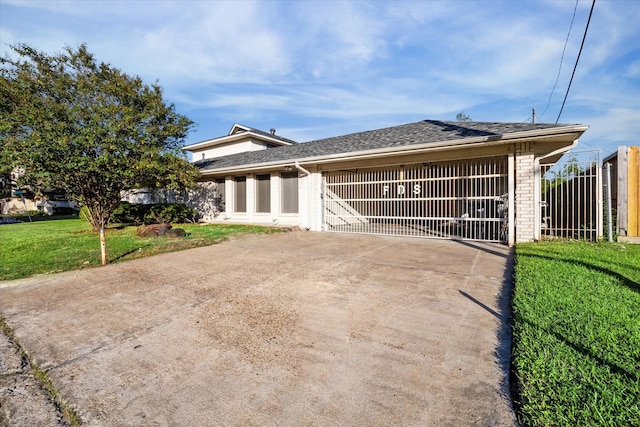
column 237, row 128
column 240, row 133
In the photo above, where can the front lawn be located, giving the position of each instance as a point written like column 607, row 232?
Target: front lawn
column 576, row 342
column 27, row 249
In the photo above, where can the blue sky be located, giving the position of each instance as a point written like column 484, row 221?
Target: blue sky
column 314, row 69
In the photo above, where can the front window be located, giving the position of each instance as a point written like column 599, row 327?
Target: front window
column 241, row 194
column 263, row 193
column 289, row 192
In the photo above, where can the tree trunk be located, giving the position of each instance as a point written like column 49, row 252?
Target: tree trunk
column 103, row 246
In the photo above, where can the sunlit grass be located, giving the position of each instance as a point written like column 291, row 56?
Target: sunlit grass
column 576, row 344
column 28, row 249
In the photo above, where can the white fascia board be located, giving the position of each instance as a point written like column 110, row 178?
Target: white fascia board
column 233, row 138
column 483, row 141
column 238, row 126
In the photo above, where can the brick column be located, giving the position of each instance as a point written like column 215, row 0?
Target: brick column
column 525, row 193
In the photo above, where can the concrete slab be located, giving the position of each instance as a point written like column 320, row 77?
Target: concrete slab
column 22, row 400
column 294, row 329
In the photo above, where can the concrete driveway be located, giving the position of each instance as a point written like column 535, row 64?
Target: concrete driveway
column 291, row 329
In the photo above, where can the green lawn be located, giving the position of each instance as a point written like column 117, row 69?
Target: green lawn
column 576, row 343
column 27, row 249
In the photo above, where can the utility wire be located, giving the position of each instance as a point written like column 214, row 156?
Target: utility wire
column 577, row 59
column 561, row 60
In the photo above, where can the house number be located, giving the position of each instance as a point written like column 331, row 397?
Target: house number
column 401, row 190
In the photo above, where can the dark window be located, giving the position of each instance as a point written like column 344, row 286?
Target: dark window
column 241, row 194
column 263, row 193
column 289, row 192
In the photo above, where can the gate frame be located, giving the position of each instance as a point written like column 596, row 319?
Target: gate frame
column 506, row 159
column 598, row 190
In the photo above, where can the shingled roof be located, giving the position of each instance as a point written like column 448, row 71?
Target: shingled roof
column 423, row 132
column 272, row 135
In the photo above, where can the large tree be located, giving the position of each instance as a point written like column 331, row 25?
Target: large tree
column 89, row 129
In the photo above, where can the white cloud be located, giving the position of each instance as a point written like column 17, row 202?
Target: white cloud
column 615, row 127
column 355, row 64
column 633, row 70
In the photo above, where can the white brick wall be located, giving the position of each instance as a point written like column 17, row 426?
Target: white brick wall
column 525, row 193
column 316, row 201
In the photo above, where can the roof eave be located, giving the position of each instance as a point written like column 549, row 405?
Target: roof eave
column 233, row 138
column 572, row 131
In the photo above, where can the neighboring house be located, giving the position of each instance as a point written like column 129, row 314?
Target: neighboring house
column 23, row 200
column 455, row 180
column 50, row 204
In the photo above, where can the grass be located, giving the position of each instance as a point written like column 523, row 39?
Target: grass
column 576, row 343
column 28, row 249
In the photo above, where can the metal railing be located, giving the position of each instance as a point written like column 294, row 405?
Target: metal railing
column 465, row 199
column 571, row 197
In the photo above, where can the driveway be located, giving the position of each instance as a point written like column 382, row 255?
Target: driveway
column 290, row 329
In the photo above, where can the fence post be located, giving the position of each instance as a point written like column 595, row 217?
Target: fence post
column 607, row 184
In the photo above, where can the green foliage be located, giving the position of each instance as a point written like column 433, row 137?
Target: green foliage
column 157, row 213
column 462, row 117
column 571, row 168
column 88, row 129
column 167, row 213
column 5, row 182
column 29, row 249
column 576, row 336
column 129, row 213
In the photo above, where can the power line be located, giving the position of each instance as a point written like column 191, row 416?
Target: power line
column 561, row 59
column 577, row 59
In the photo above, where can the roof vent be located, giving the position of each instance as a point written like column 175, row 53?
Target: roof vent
column 273, row 131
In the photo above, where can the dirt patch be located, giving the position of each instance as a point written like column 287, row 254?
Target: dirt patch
column 261, row 329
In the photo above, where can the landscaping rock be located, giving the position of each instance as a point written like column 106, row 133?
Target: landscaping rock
column 156, row 230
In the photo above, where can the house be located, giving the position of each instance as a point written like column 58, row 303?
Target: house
column 437, row 179
column 24, row 200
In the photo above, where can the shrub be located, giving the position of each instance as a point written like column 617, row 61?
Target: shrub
column 166, row 213
column 64, row 210
column 158, row 213
column 129, row 213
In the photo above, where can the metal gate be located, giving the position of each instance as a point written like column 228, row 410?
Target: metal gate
column 571, row 197
column 450, row 200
